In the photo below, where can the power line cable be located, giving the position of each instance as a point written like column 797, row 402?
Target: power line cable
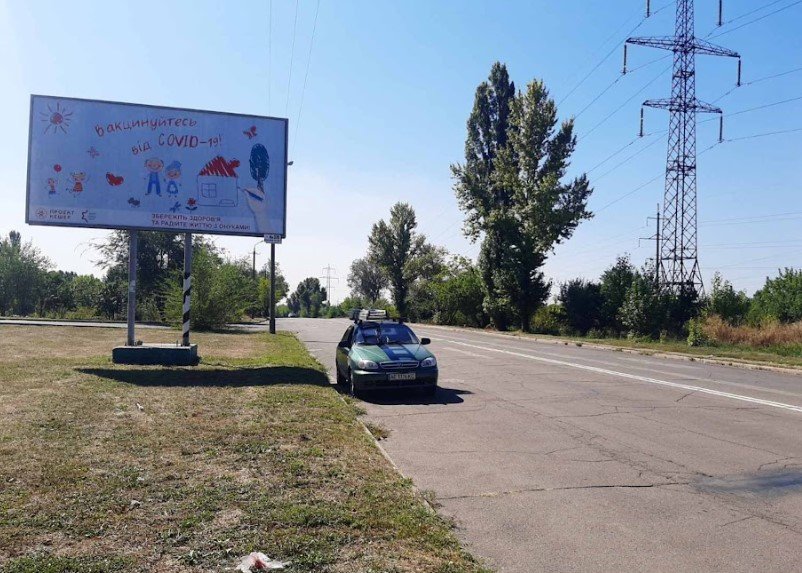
column 608, row 54
column 306, row 77
column 628, row 159
column 292, row 57
column 619, row 108
column 766, row 134
column 757, row 19
column 759, row 9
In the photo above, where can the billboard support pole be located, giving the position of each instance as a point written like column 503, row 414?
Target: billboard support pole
column 187, row 288
column 133, row 240
column 272, row 288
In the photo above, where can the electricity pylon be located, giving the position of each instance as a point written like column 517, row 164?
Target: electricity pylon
column 678, row 263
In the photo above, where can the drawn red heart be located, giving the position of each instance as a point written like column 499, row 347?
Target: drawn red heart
column 57, row 168
column 114, row 179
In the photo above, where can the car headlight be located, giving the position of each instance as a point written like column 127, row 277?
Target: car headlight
column 429, row 362
column 367, row 365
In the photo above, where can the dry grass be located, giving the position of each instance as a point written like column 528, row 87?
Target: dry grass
column 109, row 468
column 774, row 334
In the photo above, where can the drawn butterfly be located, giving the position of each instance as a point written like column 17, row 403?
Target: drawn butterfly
column 251, row 133
column 133, row 202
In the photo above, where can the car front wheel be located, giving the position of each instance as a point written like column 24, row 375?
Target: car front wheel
column 340, row 377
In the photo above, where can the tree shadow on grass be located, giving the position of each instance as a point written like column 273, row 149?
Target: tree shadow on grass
column 412, row 396
column 214, row 377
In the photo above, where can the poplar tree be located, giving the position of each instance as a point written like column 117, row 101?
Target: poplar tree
column 512, row 190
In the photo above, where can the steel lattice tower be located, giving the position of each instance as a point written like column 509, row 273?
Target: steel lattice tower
column 678, row 266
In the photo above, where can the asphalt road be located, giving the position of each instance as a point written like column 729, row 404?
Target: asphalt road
column 566, row 458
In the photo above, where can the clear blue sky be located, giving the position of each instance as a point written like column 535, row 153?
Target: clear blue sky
column 389, row 88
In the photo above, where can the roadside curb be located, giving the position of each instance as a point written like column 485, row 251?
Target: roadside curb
column 415, row 489
column 707, row 359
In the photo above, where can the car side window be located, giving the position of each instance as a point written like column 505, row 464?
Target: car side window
column 347, row 336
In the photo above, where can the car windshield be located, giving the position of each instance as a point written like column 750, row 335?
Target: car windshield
column 385, row 333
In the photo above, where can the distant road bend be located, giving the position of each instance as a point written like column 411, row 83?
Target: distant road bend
column 561, row 458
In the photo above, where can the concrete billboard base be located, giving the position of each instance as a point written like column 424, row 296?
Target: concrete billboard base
column 156, row 354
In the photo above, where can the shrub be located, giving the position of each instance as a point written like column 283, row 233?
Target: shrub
column 220, row 292
column 724, row 301
column 582, row 301
column 81, row 313
column 696, row 333
column 780, row 299
column 614, row 284
column 549, row 319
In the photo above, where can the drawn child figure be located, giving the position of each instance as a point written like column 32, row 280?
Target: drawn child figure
column 154, row 166
column 78, row 178
column 51, row 185
column 173, row 173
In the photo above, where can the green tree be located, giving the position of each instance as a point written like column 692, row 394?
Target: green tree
column 308, row 298
column 582, row 301
column 282, row 287
column 57, row 296
column 394, row 246
column 220, row 290
column 366, row 280
column 780, row 299
column 513, row 194
column 614, row 283
column 22, row 275
column 87, row 290
column 726, row 302
column 459, row 296
column 159, row 256
column 643, row 312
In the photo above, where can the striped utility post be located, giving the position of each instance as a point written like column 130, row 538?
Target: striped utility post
column 187, row 288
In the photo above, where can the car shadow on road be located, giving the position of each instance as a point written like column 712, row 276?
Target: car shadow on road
column 415, row 397
column 212, row 377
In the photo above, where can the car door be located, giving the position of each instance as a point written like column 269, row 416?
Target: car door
column 343, row 348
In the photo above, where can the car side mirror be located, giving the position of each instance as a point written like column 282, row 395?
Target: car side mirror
column 425, row 341
column 343, row 344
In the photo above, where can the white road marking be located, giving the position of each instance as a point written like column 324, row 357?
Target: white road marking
column 700, row 389
column 465, row 352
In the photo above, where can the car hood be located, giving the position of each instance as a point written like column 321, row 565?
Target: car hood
column 390, row 352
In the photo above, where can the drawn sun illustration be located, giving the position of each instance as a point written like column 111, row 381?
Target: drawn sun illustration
column 58, row 118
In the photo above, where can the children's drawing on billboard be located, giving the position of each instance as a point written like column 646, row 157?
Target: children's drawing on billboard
column 147, row 167
column 217, row 183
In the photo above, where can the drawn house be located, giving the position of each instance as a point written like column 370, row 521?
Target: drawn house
column 217, row 183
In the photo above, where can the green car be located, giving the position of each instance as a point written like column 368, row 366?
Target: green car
column 380, row 353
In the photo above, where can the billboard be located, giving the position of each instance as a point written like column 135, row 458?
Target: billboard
column 127, row 166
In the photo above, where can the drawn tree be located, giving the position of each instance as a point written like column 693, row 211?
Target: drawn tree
column 260, row 165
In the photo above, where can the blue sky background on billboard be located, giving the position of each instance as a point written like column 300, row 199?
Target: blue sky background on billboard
column 377, row 95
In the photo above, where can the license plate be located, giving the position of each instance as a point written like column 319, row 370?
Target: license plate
column 401, row 376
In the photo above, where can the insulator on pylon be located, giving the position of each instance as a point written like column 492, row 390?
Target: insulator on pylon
column 648, row 8
column 720, row 12
column 721, row 128
column 641, row 123
column 739, row 73
column 624, row 71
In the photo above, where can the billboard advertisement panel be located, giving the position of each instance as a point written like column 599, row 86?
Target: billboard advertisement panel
column 127, row 166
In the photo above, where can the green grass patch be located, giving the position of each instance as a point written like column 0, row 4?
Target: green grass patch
column 122, row 468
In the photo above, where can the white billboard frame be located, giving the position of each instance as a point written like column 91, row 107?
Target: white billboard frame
column 177, row 229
